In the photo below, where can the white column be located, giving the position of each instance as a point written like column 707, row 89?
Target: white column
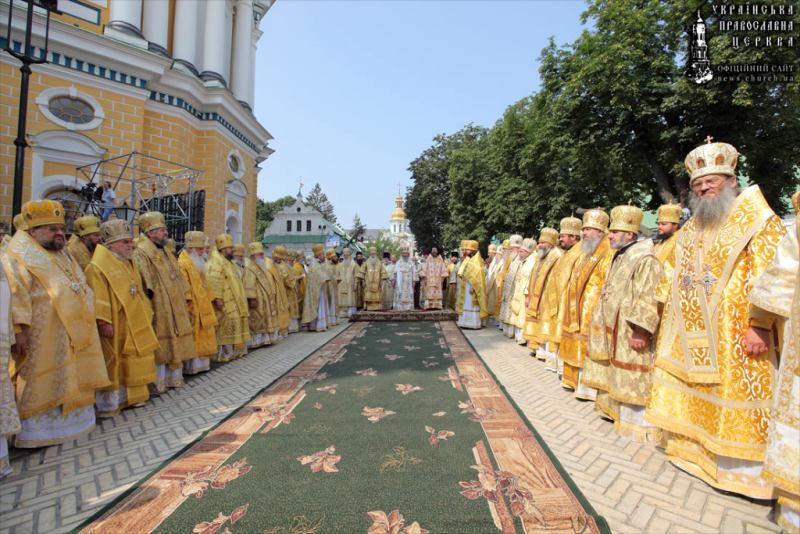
column 242, row 50
column 214, row 45
column 155, row 25
column 127, row 16
column 184, row 33
column 254, row 44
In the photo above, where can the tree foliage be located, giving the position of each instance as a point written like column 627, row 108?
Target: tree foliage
column 384, row 244
column 320, row 202
column 358, row 228
column 266, row 210
column 612, row 122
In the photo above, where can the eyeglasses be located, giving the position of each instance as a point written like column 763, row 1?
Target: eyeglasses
column 713, row 181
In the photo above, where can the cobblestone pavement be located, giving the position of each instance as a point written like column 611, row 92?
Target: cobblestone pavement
column 54, row 489
column 633, row 485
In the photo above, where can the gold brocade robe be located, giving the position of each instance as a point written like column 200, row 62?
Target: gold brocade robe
column 225, row 283
column 300, row 287
column 583, row 292
column 536, row 314
column 120, row 301
column 555, row 296
column 346, row 272
column 373, row 273
column 281, row 295
column 775, row 298
column 259, row 285
column 289, row 281
column 491, row 282
column 508, row 288
column 168, row 294
column 706, row 390
column 628, row 298
column 516, row 312
column 500, row 282
column 78, row 251
column 665, row 253
column 433, row 273
column 452, row 284
column 64, row 364
column 9, row 417
column 201, row 307
column 471, row 272
column 316, row 282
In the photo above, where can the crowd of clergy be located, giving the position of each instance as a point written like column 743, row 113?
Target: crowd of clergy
column 687, row 340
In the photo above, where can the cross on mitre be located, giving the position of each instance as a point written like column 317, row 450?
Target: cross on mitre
column 709, row 139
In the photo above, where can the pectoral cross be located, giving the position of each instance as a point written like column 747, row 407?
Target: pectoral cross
column 707, row 280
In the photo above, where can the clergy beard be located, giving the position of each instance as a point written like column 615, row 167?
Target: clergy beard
column 228, row 255
column 90, row 245
column 198, row 260
column 541, row 253
column 239, row 262
column 122, row 256
column 711, row 212
column 52, row 245
column 589, row 244
column 260, row 262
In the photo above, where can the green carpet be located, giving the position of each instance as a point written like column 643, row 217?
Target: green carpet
column 380, row 439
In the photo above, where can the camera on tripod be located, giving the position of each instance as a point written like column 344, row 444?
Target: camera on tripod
column 91, row 192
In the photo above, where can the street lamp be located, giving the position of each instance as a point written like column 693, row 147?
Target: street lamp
column 27, row 58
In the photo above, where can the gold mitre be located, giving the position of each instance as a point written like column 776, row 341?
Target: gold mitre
column 114, row 230
column 669, row 213
column 194, row 239
column 492, row 248
column 506, row 244
column 88, row 224
column 626, row 219
column 373, row 250
column 595, row 218
column 223, row 241
column 279, row 252
column 255, row 248
column 470, row 244
column 515, row 241
column 317, row 249
column 330, row 253
column 19, row 222
column 151, row 220
column 570, row 226
column 42, row 212
column 549, row 235
column 238, row 250
column 528, row 244
column 711, row 158
column 347, row 251
column 796, row 202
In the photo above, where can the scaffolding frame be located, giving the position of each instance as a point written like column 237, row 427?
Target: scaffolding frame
column 148, row 181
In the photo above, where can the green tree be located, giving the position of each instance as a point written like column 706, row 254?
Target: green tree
column 427, row 200
column 358, row 228
column 266, row 210
column 320, row 202
column 383, row 244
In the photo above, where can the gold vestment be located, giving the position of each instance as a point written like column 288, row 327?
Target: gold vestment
column 259, row 285
column 225, row 283
column 77, row 249
column 373, row 273
column 201, row 307
column 536, row 312
column 432, row 273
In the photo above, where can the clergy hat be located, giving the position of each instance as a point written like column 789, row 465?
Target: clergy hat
column 19, row 222
column 151, row 220
column 223, row 241
column 669, row 213
column 88, row 224
column 470, row 244
column 570, row 226
column 515, row 241
column 194, row 239
column 595, row 218
column 115, row 230
column 711, row 158
column 42, row 212
column 506, row 243
column 347, row 251
column 528, row 244
column 548, row 235
column 330, row 253
column 279, row 252
column 492, row 248
column 238, row 250
column 317, row 248
column 626, row 219
column 255, row 248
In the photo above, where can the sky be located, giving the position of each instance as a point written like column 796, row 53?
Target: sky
column 354, row 90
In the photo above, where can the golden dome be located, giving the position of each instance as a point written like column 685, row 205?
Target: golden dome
column 398, row 214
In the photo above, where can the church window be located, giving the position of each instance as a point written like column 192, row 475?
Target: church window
column 299, row 225
column 308, row 225
column 71, row 110
column 288, row 226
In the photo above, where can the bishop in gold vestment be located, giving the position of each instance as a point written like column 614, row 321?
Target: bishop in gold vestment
column 374, row 275
column 57, row 363
column 281, row 296
column 496, row 254
column 124, row 318
column 225, row 282
column 168, row 294
column 289, row 285
column 516, row 307
column 259, row 288
column 300, row 286
column 471, row 300
column 452, row 280
column 432, row 275
column 775, row 299
column 192, row 262
column 547, row 254
column 709, row 392
column 581, row 296
column 507, row 288
column 315, row 303
column 332, row 286
column 346, row 271
column 623, row 326
column 9, row 417
column 85, row 237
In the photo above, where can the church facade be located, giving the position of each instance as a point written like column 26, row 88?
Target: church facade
column 170, row 79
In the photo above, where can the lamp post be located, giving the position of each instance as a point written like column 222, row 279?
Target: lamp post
column 27, row 58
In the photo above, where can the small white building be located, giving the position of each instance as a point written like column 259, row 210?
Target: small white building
column 297, row 227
